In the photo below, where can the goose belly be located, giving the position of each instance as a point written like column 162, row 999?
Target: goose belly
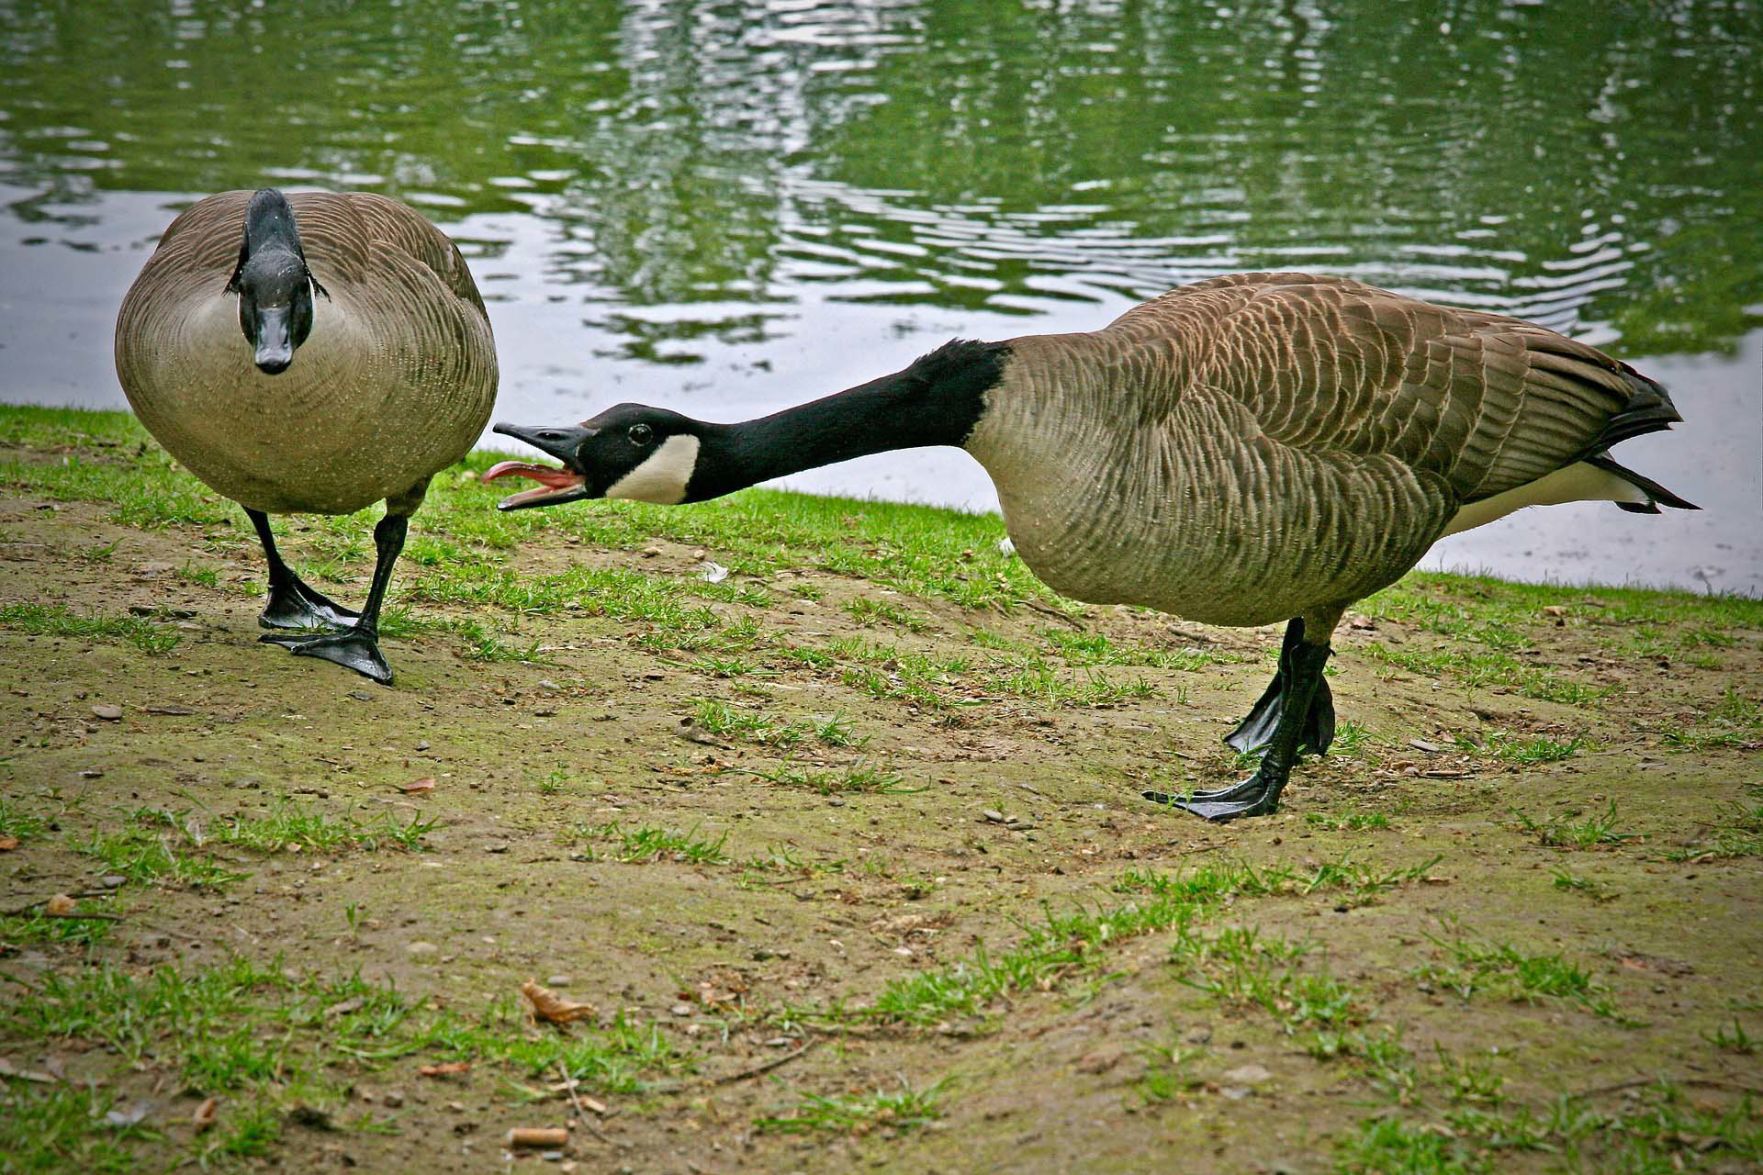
column 1217, row 542
column 343, row 427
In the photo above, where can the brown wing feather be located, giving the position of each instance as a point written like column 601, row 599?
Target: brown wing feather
column 1484, row 401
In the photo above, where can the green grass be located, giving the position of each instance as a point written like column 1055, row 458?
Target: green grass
column 1567, row 881
column 51, row 1128
column 1477, row 669
column 1511, row 749
column 651, row 843
column 1242, row 966
column 1657, row 1131
column 1599, row 830
column 297, row 827
column 1043, row 683
column 896, row 1112
column 1734, row 721
column 57, row 620
column 147, row 857
column 869, row 613
column 1082, row 649
column 1737, row 833
column 34, row 926
column 267, row 1042
column 18, row 823
column 1476, row 966
column 859, row 777
column 1075, row 942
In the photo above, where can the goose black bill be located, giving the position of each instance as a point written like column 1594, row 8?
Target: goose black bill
column 556, row 485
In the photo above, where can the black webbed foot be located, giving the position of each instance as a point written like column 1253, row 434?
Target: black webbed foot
column 1256, row 731
column 1254, row 796
column 293, row 603
column 353, row 648
column 1296, row 710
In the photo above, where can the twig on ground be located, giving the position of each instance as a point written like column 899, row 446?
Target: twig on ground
column 765, row 1067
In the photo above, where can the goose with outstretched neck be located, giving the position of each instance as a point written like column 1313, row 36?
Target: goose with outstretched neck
column 1250, row 449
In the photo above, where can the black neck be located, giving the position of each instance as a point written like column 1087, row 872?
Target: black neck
column 936, row 401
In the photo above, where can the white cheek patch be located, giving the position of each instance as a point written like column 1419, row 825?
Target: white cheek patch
column 662, row 479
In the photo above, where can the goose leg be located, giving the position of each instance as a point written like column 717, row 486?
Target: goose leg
column 293, row 603
column 1301, row 663
column 357, row 647
column 1257, row 729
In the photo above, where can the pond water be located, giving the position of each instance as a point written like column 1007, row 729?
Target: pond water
column 728, row 207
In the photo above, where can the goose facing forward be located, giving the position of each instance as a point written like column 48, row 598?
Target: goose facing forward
column 1245, row 450
column 313, row 353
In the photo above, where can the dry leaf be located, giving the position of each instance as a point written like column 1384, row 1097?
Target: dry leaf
column 426, row 783
column 447, row 1069
column 205, row 1114
column 548, row 1005
column 60, row 906
column 8, row 843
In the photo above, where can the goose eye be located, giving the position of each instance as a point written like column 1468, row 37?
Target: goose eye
column 641, row 434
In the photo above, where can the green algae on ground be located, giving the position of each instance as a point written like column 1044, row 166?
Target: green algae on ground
column 845, row 849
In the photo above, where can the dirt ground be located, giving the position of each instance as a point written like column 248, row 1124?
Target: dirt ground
column 834, row 909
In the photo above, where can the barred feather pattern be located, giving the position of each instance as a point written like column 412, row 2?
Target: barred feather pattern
column 395, row 382
column 1262, row 446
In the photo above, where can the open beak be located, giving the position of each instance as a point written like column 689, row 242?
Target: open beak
column 275, row 344
column 557, row 485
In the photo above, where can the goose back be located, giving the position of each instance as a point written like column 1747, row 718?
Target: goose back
column 400, row 357
column 1249, row 448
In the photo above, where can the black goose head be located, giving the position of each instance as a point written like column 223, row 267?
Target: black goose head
column 631, row 451
column 274, row 284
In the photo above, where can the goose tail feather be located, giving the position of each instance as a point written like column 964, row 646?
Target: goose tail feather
column 1657, row 495
column 1649, row 409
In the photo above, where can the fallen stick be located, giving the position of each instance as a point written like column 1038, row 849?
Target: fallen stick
column 766, row 1067
column 1643, row 1082
column 581, row 1113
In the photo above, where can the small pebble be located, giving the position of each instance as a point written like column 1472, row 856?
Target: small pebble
column 107, row 711
column 420, row 950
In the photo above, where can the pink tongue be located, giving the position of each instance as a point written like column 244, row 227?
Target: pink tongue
column 557, row 479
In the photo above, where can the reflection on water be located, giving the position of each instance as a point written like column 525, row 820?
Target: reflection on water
column 729, row 206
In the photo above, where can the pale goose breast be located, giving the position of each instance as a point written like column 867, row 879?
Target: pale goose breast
column 400, row 356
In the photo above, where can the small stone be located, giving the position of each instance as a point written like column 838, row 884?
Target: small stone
column 421, row 950
column 361, row 695
column 422, row 744
column 993, row 815
column 112, row 880
column 1099, row 1061
column 557, row 981
column 1250, row 1074
column 393, row 1098
column 681, row 1009
column 107, row 711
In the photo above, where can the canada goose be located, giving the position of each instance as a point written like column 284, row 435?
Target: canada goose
column 394, row 378
column 1243, row 450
